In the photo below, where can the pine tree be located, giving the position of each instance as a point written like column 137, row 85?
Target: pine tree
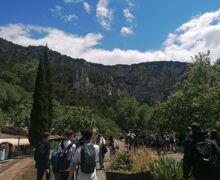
column 49, row 83
column 41, row 109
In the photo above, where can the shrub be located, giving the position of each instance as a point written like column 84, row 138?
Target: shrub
column 166, row 169
column 138, row 161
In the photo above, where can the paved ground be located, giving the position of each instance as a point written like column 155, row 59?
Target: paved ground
column 11, row 172
column 24, row 169
column 29, row 172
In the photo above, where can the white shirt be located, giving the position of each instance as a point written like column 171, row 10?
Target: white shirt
column 102, row 141
column 76, row 159
column 71, row 152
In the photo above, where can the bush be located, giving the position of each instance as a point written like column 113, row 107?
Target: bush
column 132, row 161
column 166, row 169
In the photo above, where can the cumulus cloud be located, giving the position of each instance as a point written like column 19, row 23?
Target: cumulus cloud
column 200, row 34
column 73, row 1
column 87, row 7
column 56, row 39
column 104, row 14
column 58, row 12
column 125, row 31
column 128, row 15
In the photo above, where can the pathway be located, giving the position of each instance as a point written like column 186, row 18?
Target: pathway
column 11, row 172
column 29, row 172
column 24, row 169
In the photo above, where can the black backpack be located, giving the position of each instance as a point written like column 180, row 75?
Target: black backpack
column 88, row 159
column 63, row 163
column 207, row 156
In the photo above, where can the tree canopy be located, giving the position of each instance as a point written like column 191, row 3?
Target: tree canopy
column 198, row 99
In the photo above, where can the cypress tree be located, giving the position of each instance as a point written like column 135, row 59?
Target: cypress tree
column 41, row 110
column 49, row 83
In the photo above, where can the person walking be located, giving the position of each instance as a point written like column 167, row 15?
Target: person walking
column 112, row 146
column 66, row 150
column 102, row 150
column 41, row 157
column 83, row 161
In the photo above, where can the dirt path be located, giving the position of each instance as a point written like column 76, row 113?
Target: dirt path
column 15, row 169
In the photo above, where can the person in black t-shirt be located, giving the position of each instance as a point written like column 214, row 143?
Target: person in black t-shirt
column 41, row 157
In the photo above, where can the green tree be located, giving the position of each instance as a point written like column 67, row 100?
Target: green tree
column 128, row 113
column 144, row 115
column 47, row 66
column 198, row 99
column 40, row 114
column 20, row 115
column 2, row 119
column 70, row 117
column 125, row 113
column 26, row 72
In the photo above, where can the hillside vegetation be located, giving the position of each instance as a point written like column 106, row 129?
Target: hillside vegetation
column 159, row 96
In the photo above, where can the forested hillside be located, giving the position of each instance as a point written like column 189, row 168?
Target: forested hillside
column 79, row 84
column 77, row 80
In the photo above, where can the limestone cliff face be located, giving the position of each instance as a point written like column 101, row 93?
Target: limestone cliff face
column 73, row 78
column 149, row 82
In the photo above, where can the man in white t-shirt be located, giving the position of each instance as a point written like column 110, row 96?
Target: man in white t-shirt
column 66, row 145
column 101, row 143
column 76, row 158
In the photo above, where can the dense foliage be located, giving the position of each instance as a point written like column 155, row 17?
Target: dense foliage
column 70, row 117
column 198, row 99
column 40, row 120
column 128, row 113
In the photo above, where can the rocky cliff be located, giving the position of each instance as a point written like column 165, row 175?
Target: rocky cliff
column 79, row 82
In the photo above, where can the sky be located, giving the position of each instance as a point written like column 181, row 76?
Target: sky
column 115, row 31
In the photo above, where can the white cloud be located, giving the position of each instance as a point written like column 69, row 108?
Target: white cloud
column 87, row 7
column 130, row 3
column 104, row 14
column 73, row 1
column 200, row 34
column 58, row 12
column 69, row 17
column 57, row 40
column 125, row 31
column 128, row 15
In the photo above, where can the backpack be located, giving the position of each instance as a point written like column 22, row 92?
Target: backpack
column 208, row 156
column 63, row 163
column 53, row 160
column 88, row 159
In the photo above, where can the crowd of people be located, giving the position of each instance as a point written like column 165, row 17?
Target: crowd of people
column 163, row 142
column 69, row 160
column 79, row 160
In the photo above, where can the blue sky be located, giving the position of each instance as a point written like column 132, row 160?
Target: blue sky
column 113, row 31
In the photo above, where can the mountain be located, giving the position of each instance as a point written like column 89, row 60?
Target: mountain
column 78, row 82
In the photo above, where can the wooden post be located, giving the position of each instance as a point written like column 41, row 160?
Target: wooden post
column 18, row 149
